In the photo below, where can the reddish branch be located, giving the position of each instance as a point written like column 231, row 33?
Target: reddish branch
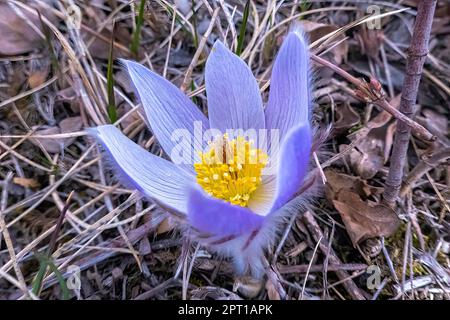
column 417, row 55
column 372, row 93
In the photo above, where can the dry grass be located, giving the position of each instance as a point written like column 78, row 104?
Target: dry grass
column 125, row 246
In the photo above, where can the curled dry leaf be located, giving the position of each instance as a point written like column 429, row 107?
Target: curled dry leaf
column 336, row 182
column 69, row 96
column 370, row 40
column 38, row 77
column 375, row 142
column 436, row 123
column 347, row 118
column 372, row 153
column 165, row 226
column 247, row 286
column 363, row 219
column 317, row 30
column 26, row 182
column 272, row 292
column 55, row 145
column 18, row 29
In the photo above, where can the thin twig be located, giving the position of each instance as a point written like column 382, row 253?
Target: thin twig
column 317, row 234
column 366, row 92
column 7, row 238
column 199, row 51
column 423, row 167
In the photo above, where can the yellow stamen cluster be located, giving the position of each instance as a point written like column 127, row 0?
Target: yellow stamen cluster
column 231, row 169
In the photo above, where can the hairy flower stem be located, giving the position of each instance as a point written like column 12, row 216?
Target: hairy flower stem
column 417, row 55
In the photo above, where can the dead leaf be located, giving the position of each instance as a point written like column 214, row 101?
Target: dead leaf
column 317, row 30
column 336, row 182
column 71, row 124
column 272, row 292
column 363, row 219
column 37, row 78
column 69, row 96
column 372, row 151
column 99, row 42
column 18, row 37
column 51, row 145
column 165, row 226
column 26, row 182
column 371, row 41
column 247, row 286
column 435, row 122
column 347, row 118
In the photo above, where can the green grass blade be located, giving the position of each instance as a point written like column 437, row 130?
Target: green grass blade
column 194, row 98
column 37, row 282
column 61, row 280
column 44, row 263
column 112, row 111
column 137, row 33
column 194, row 24
column 304, row 6
column 243, row 28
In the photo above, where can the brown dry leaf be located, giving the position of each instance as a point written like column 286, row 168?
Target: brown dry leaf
column 372, row 152
column 17, row 35
column 317, row 30
column 26, row 182
column 99, row 42
column 378, row 121
column 37, row 78
column 435, row 122
column 367, row 158
column 71, row 124
column 272, row 292
column 247, row 286
column 67, row 125
column 365, row 220
column 347, row 118
column 50, row 145
column 69, row 95
column 370, row 40
column 337, row 182
column 165, row 226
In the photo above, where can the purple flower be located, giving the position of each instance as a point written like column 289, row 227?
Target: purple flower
column 227, row 199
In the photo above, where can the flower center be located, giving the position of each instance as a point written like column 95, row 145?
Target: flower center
column 231, row 169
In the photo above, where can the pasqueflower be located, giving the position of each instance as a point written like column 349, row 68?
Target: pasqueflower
column 226, row 196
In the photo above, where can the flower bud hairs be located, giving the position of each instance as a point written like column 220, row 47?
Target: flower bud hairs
column 232, row 197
